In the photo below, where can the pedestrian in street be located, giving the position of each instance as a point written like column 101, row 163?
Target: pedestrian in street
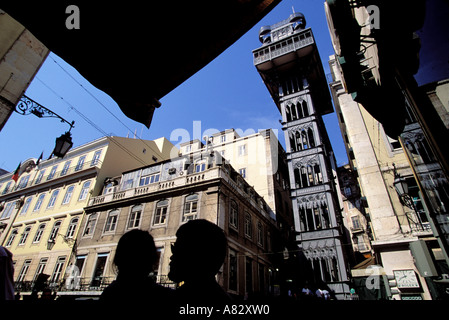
column 134, row 258
column 197, row 255
column 306, row 293
column 319, row 293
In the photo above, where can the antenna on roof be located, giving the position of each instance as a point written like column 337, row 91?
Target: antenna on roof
column 293, row 8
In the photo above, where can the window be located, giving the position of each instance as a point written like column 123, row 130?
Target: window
column 72, row 227
column 161, row 212
column 260, row 233
column 24, row 236
column 84, row 191
column 96, row 158
column 356, row 222
column 40, row 176
column 242, row 172
column 26, row 205
column 223, row 139
column 99, row 269
column 53, row 198
column 39, row 233
column 54, row 231
column 58, row 269
column 8, row 210
column 66, row 168
column 90, row 225
column 248, row 225
column 306, row 176
column 200, row 167
column 68, row 195
column 11, row 238
column 40, row 267
column 190, row 208
column 149, row 179
column 233, row 214
column 39, row 201
column 242, row 150
column 80, row 163
column 52, row 172
column 314, row 217
column 134, row 216
column 348, row 191
column 23, row 182
column 111, row 221
column 24, row 270
column 7, row 188
column 232, row 270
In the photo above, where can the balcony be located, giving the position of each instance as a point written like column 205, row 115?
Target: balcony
column 286, row 45
column 179, row 181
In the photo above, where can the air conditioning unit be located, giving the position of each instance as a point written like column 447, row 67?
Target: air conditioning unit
column 110, row 190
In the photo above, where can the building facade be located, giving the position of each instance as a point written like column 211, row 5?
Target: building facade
column 375, row 70
column 161, row 197
column 290, row 67
column 354, row 215
column 42, row 212
column 377, row 158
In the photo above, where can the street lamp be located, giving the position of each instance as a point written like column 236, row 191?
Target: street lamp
column 401, row 186
column 28, row 106
column 63, row 144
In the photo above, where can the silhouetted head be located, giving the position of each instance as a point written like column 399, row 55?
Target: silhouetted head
column 135, row 254
column 199, row 251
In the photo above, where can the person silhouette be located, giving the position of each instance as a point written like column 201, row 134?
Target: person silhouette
column 134, row 258
column 197, row 255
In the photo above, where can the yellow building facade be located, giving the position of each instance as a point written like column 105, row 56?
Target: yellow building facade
column 42, row 212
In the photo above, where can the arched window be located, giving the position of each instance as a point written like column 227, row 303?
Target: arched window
column 68, row 195
column 248, row 225
column 160, row 215
column 288, row 113
column 298, row 141
column 260, row 233
column 318, row 177
column 190, row 208
column 111, row 221
column 24, row 236
column 310, row 138
column 11, row 238
column 39, row 201
column 310, row 176
column 305, row 143
column 305, row 109
column 292, row 142
column 134, row 216
column 303, row 174
column 39, row 233
column 299, row 109
column 90, row 225
column 84, row 191
column 294, row 114
column 325, row 216
column 52, row 201
column 54, row 231
column 234, row 214
column 72, row 227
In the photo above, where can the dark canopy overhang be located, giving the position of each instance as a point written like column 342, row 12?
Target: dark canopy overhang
column 138, row 51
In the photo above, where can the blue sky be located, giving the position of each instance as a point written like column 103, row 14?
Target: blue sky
column 227, row 93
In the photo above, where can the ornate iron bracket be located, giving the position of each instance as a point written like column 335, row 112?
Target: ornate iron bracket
column 27, row 106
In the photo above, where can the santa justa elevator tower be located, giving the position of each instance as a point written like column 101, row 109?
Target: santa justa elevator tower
column 290, row 66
